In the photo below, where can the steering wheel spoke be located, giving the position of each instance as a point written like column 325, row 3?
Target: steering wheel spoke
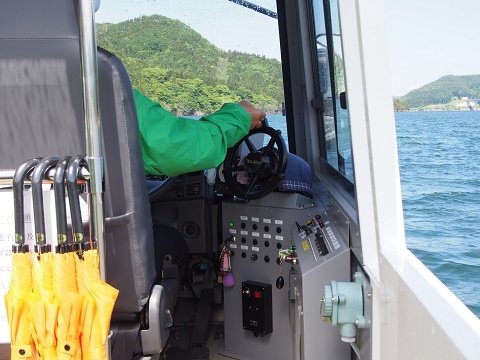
column 252, row 185
column 269, row 148
column 250, row 145
column 270, row 170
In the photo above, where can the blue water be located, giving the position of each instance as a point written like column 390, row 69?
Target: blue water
column 439, row 155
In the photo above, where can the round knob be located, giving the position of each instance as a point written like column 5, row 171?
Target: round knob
column 328, row 300
column 254, row 257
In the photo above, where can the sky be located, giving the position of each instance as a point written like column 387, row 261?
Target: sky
column 427, row 39
column 223, row 23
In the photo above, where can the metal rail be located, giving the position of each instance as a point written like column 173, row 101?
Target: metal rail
column 93, row 126
column 93, row 131
column 256, row 8
column 6, row 176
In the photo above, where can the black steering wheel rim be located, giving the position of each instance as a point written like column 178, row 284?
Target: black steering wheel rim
column 264, row 168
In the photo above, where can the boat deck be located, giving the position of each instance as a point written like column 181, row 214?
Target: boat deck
column 180, row 345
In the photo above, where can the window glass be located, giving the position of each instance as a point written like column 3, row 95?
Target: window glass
column 193, row 56
column 331, row 84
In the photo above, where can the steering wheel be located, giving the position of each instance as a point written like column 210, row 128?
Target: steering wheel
column 158, row 186
column 259, row 172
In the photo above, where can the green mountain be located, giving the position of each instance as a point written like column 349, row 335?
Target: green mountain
column 444, row 90
column 176, row 66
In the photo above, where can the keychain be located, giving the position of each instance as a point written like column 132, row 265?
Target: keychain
column 280, row 281
column 288, row 255
column 226, row 267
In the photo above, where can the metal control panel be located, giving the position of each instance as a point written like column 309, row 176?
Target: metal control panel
column 322, row 255
column 256, row 233
column 316, row 239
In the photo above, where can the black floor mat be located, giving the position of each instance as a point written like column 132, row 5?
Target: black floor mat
column 185, row 311
column 180, row 341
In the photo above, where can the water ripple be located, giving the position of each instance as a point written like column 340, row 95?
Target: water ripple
column 440, row 176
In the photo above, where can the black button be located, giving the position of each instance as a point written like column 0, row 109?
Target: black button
column 267, row 258
column 244, row 240
column 67, row 347
column 279, row 230
column 244, row 255
column 21, row 352
column 255, row 241
column 243, row 225
column 266, row 228
column 255, row 227
column 279, row 245
column 267, row 244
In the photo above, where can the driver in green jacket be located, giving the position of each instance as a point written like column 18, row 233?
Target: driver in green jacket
column 174, row 145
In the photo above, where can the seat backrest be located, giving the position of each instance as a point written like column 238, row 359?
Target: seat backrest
column 41, row 114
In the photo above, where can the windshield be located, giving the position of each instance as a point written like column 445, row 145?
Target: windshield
column 176, row 57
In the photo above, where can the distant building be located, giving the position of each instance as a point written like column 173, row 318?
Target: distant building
column 468, row 104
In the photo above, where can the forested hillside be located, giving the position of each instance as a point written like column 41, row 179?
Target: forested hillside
column 176, row 66
column 444, row 90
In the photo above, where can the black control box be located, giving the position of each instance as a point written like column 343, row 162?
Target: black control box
column 257, row 307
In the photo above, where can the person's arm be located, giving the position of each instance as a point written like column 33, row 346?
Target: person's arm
column 173, row 145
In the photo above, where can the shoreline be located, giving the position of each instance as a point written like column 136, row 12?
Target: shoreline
column 418, row 110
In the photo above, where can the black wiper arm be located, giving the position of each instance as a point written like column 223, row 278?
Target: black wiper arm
column 256, row 8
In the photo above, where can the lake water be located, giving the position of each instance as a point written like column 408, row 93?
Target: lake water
column 439, row 155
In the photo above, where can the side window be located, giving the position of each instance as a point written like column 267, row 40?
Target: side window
column 331, row 87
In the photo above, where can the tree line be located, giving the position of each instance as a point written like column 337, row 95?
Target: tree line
column 400, row 105
column 444, row 90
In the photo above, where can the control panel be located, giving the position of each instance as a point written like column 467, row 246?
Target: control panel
column 257, row 238
column 316, row 236
column 280, row 249
column 186, row 187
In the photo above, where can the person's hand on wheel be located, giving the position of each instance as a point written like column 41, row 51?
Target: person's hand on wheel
column 257, row 115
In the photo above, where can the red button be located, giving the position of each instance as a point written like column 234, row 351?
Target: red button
column 257, row 294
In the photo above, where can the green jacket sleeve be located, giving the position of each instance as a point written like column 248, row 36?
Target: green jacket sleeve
column 173, row 145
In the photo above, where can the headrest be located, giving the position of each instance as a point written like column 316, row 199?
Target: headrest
column 298, row 177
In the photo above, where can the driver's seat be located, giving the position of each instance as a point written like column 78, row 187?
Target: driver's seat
column 42, row 111
column 130, row 261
